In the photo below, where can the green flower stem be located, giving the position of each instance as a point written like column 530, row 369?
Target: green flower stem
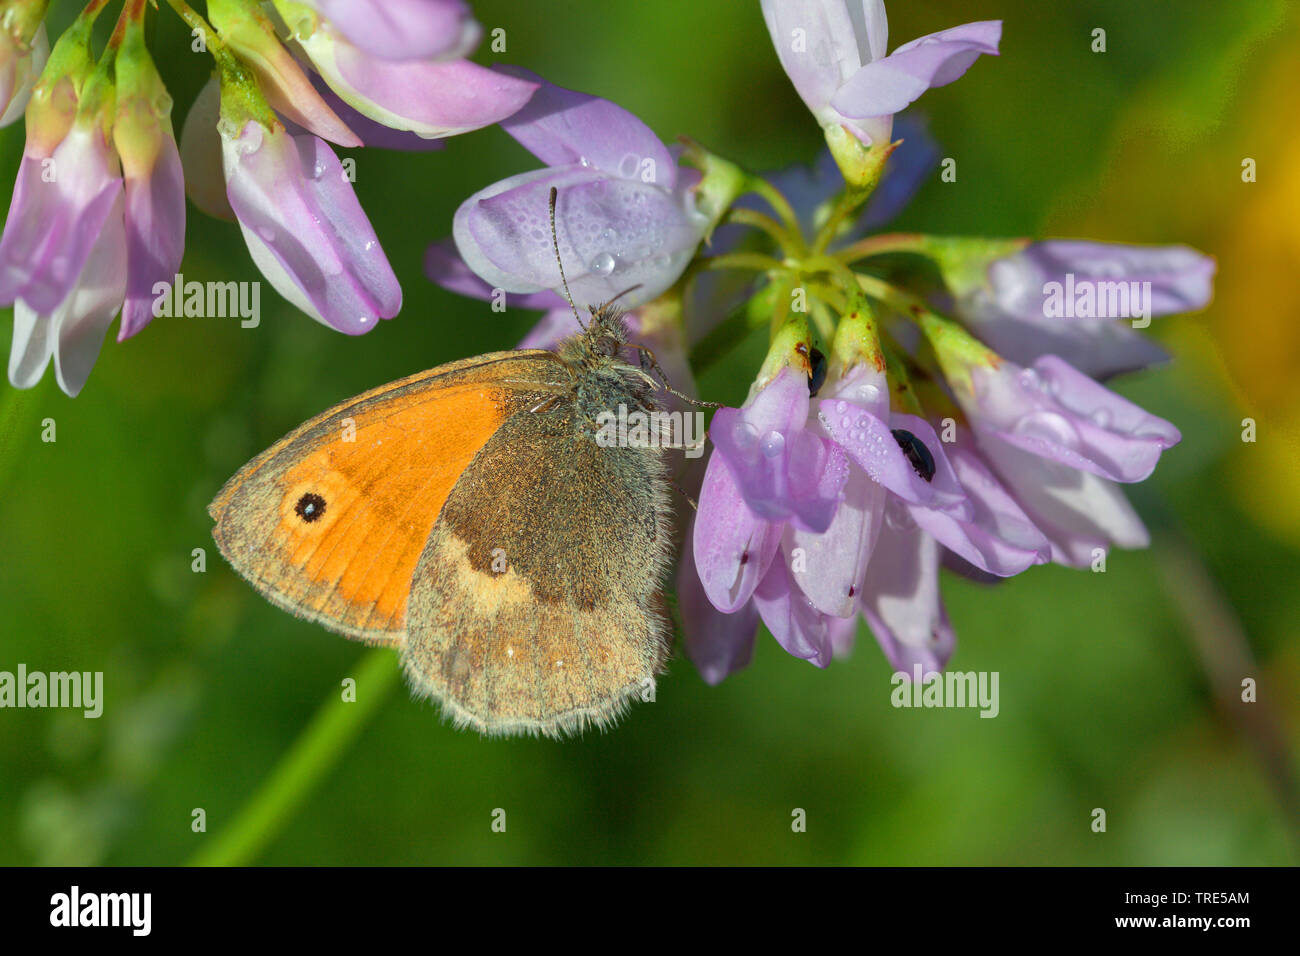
column 877, row 245
column 784, row 211
column 848, row 202
column 317, row 749
column 846, row 277
column 195, row 21
column 791, row 246
column 754, row 261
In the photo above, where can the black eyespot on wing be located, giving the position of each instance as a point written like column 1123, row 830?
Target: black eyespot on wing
column 919, row 456
column 310, row 507
column 817, row 377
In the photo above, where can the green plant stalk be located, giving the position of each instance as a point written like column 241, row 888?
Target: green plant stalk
column 317, row 749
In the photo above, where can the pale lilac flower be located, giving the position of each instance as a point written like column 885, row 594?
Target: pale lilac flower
column 902, row 501
column 402, row 29
column 625, row 215
column 834, row 52
column 155, row 184
column 1054, row 411
column 1007, row 306
column 901, row 600
column 1060, row 441
column 436, row 96
column 63, row 257
column 305, row 229
column 60, row 205
column 21, row 62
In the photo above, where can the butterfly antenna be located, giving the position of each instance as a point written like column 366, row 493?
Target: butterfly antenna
column 555, row 244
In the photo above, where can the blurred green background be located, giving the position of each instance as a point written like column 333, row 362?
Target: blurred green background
column 1106, row 697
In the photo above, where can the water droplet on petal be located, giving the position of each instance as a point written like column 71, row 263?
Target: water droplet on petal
column 1101, row 417
column 1049, row 427
column 602, row 264
column 1029, row 379
column 773, row 444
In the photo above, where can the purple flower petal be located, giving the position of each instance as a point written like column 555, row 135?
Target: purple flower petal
column 797, row 626
column 73, row 333
column 405, row 29
column 901, row 598
column 567, row 128
column 370, row 132
column 783, row 470
column 1180, row 277
column 155, row 235
column 1077, row 511
column 444, row 266
column 829, row 567
column 819, row 44
column 842, row 631
column 613, row 234
column 59, row 207
column 1097, row 347
column 718, row 644
column 999, row 539
column 431, row 98
column 886, row 85
column 1057, row 412
column 731, row 546
column 306, row 230
column 871, row 444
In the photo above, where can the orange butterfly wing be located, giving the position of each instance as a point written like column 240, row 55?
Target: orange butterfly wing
column 329, row 522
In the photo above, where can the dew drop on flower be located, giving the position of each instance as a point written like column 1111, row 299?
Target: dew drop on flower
column 603, row 264
column 1049, row 427
column 1029, row 379
column 1101, row 417
column 773, row 444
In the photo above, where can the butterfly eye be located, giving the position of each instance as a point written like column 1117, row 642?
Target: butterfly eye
column 310, row 507
column 606, row 346
column 916, row 452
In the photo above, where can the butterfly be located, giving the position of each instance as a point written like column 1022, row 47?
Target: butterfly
column 469, row 518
